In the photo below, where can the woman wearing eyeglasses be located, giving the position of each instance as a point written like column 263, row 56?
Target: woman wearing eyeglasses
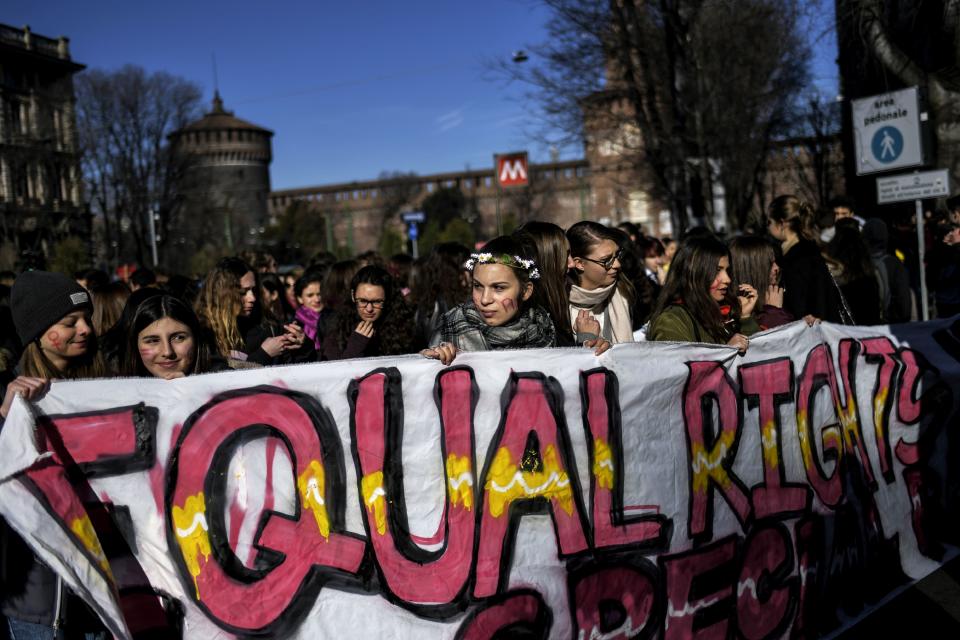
column 597, row 291
column 377, row 323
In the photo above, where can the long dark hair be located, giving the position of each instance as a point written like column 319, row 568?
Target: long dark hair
column 849, row 249
column 750, row 260
column 279, row 310
column 335, row 290
column 156, row 308
column 394, row 327
column 549, row 245
column 692, row 271
column 440, row 279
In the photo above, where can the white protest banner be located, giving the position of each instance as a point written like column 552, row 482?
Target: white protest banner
column 672, row 489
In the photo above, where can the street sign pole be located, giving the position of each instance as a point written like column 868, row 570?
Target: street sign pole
column 917, row 186
column 499, row 223
column 152, row 213
column 924, row 305
column 413, row 232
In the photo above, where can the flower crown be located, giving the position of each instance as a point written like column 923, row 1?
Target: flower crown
column 514, row 262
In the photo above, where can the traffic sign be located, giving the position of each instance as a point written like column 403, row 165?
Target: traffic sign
column 413, row 232
column 913, row 186
column 511, row 169
column 413, row 217
column 886, row 130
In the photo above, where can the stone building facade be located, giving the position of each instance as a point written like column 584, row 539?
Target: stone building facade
column 225, row 164
column 353, row 211
column 41, row 197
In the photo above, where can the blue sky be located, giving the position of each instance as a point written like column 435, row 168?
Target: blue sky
column 349, row 89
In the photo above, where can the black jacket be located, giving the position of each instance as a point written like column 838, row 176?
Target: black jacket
column 808, row 286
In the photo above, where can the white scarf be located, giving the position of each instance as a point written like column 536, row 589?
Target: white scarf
column 607, row 302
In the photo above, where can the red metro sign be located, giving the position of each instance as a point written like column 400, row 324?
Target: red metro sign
column 512, row 169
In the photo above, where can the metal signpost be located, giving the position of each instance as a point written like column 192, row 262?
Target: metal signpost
column 887, row 136
column 413, row 218
column 916, row 187
column 510, row 170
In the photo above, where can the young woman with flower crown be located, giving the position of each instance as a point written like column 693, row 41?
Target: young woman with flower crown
column 500, row 315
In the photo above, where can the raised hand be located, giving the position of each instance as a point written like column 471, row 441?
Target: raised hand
column 26, row 387
column 775, row 296
column 748, row 299
column 444, row 352
column 365, row 329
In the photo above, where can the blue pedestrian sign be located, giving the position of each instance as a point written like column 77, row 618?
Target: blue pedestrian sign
column 412, row 231
column 887, row 144
column 887, row 131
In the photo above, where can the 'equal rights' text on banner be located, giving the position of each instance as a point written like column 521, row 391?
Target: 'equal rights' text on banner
column 661, row 487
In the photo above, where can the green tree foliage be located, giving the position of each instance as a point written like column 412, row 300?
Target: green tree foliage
column 458, row 230
column 443, row 205
column 446, row 210
column 391, row 242
column 70, row 255
column 299, row 233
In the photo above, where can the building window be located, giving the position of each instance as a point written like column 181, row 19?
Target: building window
column 14, row 115
column 55, row 181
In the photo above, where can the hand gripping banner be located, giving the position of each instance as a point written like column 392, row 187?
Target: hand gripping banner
column 660, row 490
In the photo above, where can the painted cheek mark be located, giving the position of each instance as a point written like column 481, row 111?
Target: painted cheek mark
column 509, row 305
column 54, row 338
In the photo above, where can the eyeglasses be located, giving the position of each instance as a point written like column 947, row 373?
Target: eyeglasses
column 608, row 263
column 376, row 304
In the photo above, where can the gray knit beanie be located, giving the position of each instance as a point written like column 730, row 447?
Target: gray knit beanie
column 40, row 298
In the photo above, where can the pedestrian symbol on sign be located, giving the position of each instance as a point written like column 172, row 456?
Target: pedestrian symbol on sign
column 887, row 144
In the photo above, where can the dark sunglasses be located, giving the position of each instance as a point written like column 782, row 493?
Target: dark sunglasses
column 608, row 263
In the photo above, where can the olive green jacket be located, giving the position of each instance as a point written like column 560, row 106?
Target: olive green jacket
column 677, row 324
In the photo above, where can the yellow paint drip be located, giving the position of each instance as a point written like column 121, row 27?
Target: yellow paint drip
column 312, row 487
column 506, row 482
column 83, row 529
column 190, row 524
column 603, row 464
column 848, row 415
column 374, row 497
column 706, row 466
column 878, row 404
column 803, row 433
column 768, row 437
column 460, row 481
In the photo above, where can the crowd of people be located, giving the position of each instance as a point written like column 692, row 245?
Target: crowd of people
column 590, row 286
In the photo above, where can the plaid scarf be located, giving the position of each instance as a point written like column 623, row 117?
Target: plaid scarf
column 464, row 327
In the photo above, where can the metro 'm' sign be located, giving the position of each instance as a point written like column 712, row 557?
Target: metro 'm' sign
column 512, row 169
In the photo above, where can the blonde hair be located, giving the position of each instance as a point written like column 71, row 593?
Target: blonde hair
column 799, row 216
column 219, row 304
column 108, row 302
column 35, row 364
